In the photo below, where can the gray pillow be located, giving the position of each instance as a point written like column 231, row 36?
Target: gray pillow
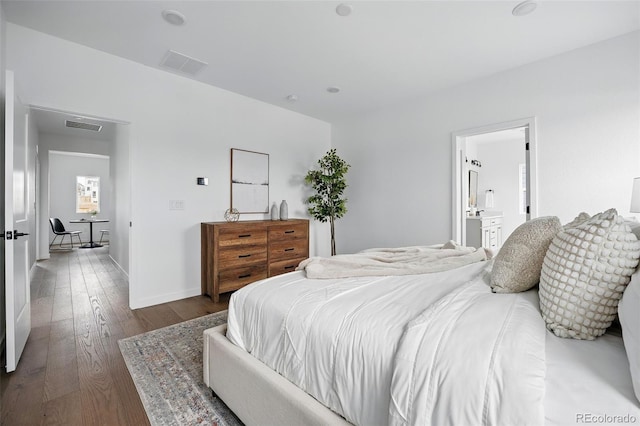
column 517, row 265
column 584, row 274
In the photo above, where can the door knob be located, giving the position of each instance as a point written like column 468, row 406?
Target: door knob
column 17, row 234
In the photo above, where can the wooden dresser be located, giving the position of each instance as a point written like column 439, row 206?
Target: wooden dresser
column 235, row 254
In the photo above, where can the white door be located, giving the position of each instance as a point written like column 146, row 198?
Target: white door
column 18, row 298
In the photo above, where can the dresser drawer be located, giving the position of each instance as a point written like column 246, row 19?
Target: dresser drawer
column 235, row 256
column 288, row 250
column 286, row 232
column 284, row 266
column 234, row 279
column 232, row 236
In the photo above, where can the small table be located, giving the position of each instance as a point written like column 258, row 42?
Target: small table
column 90, row 244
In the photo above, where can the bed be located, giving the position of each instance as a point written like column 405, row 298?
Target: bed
column 434, row 348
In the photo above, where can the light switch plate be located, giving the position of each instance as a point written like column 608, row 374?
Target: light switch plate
column 176, row 204
column 203, row 181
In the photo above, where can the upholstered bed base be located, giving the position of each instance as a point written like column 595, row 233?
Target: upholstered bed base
column 254, row 392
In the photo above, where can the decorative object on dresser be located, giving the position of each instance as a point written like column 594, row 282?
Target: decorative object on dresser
column 284, row 210
column 231, row 215
column 274, row 211
column 329, row 183
column 485, row 231
column 249, row 181
column 239, row 253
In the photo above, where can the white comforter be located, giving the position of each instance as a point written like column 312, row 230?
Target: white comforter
column 382, row 350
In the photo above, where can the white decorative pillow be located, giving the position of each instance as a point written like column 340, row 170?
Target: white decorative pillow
column 584, row 273
column 629, row 313
column 518, row 263
column 581, row 218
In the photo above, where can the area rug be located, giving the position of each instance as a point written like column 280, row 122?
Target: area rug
column 166, row 367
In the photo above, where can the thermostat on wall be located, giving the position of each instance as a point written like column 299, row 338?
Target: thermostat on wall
column 203, row 181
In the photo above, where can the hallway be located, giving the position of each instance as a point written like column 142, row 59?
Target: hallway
column 71, row 371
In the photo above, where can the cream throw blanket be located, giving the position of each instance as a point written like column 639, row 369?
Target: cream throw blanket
column 394, row 261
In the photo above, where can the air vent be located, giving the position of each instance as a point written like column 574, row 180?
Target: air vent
column 182, row 63
column 85, row 126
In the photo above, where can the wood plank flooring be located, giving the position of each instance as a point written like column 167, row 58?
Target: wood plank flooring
column 72, row 371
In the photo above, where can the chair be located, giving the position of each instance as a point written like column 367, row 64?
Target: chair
column 102, row 232
column 58, row 229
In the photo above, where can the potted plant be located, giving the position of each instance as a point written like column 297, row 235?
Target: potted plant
column 329, row 183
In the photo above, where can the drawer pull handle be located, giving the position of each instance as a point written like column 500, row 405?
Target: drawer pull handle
column 244, row 276
column 244, row 255
column 289, row 232
column 289, row 249
column 244, row 236
column 289, row 267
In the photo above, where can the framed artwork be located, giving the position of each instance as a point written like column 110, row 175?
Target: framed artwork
column 249, row 181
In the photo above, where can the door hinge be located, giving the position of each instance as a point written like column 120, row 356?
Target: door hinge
column 526, row 146
column 528, row 210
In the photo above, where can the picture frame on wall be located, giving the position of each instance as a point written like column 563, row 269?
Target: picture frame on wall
column 249, row 181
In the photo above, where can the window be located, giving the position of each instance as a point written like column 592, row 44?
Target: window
column 522, row 188
column 87, row 194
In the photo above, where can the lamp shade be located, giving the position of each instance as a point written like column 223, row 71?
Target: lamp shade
column 635, row 196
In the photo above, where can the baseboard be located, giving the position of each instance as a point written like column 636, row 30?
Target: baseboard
column 126, row 274
column 164, row 298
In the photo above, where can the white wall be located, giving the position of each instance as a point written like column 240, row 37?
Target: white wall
column 180, row 129
column 52, row 142
column 120, row 198
column 63, row 170
column 587, row 106
column 500, row 172
column 32, row 159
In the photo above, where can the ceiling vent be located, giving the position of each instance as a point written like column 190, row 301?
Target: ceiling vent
column 84, row 126
column 182, row 63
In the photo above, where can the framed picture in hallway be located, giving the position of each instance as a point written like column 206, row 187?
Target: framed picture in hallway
column 249, row 181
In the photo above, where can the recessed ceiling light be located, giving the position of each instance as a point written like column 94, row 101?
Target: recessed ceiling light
column 173, row 17
column 344, row 9
column 292, row 98
column 524, row 8
column 333, row 89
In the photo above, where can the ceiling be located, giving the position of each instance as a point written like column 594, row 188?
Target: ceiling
column 383, row 53
column 54, row 122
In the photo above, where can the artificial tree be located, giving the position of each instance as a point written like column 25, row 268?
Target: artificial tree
column 329, row 183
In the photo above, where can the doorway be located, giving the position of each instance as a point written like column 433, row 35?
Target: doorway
column 77, row 134
column 505, row 191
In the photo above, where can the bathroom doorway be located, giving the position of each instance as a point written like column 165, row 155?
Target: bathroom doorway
column 500, row 161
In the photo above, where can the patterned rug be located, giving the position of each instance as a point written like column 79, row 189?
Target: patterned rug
column 166, row 367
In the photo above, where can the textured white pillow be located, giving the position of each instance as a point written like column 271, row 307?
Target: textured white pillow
column 580, row 219
column 518, row 263
column 629, row 313
column 584, row 273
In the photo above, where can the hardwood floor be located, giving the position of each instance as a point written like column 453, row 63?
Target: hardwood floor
column 71, row 371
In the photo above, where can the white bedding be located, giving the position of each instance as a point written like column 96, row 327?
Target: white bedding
column 393, row 261
column 588, row 381
column 337, row 339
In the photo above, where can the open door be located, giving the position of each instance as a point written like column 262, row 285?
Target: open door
column 18, row 298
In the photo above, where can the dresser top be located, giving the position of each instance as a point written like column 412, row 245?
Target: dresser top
column 258, row 222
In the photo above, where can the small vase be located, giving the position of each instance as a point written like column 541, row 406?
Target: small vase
column 274, row 212
column 284, row 210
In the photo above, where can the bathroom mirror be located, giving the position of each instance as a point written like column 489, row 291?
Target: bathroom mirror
column 473, row 188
